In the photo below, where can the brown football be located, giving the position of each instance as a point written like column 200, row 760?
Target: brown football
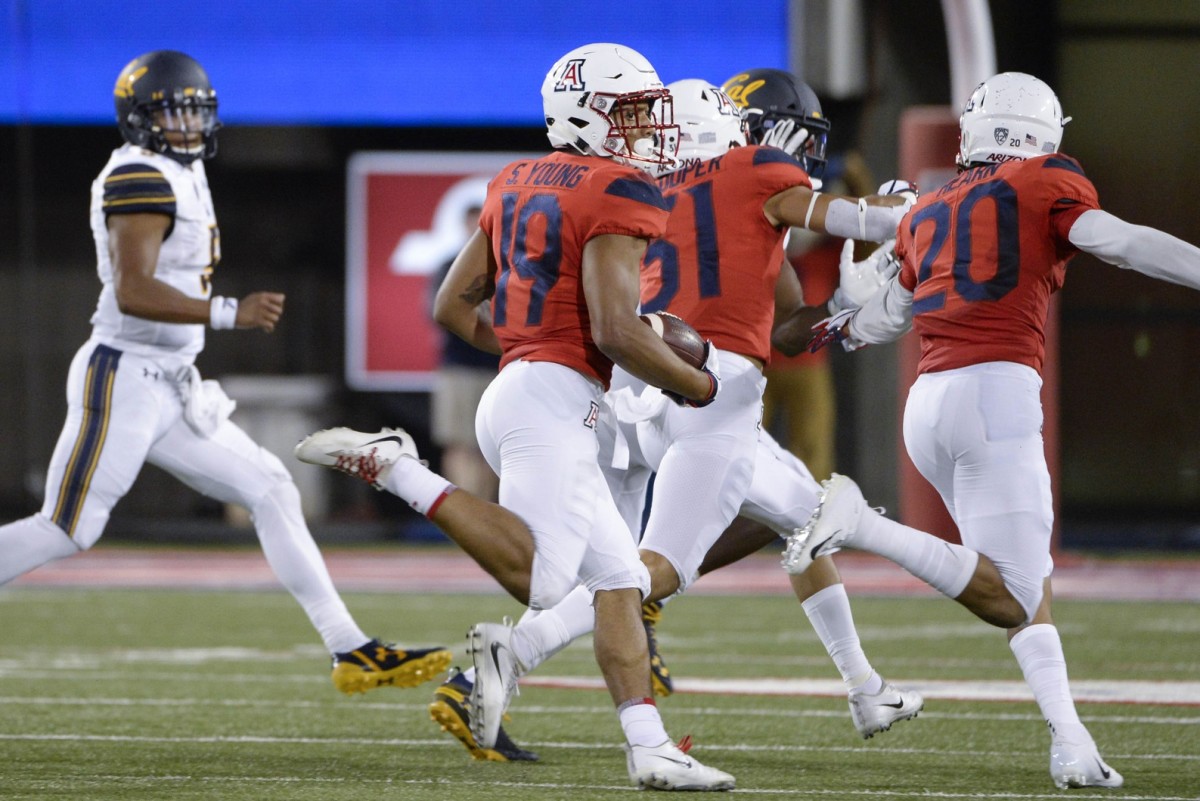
column 679, row 336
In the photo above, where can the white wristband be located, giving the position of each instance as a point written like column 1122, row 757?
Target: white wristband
column 812, row 204
column 222, row 312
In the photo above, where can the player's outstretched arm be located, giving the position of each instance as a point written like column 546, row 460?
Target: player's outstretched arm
column 1137, row 247
column 873, row 218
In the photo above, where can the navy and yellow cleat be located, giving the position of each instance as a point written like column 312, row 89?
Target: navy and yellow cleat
column 449, row 711
column 378, row 664
column 660, row 677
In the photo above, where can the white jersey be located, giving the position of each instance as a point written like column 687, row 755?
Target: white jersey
column 140, row 181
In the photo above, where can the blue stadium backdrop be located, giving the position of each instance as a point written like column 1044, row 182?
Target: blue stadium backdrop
column 362, row 62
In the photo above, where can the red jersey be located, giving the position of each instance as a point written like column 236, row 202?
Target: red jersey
column 984, row 253
column 538, row 215
column 717, row 265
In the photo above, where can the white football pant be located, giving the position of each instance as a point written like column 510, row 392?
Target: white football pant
column 536, row 426
column 975, row 434
column 124, row 410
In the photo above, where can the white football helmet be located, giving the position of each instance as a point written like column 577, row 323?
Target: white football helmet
column 607, row 100
column 710, row 123
column 1009, row 116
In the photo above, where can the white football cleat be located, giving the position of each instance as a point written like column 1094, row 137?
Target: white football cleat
column 355, row 453
column 836, row 517
column 666, row 767
column 1074, row 765
column 496, row 674
column 875, row 713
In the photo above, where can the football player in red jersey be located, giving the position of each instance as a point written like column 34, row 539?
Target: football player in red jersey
column 980, row 258
column 716, row 267
column 550, row 281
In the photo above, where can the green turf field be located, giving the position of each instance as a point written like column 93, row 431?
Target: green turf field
column 131, row 694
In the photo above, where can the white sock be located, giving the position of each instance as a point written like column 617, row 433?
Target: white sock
column 31, row 542
column 1039, row 652
column 299, row 566
column 540, row 635
column 415, row 483
column 865, row 684
column 829, row 613
column 945, row 566
column 641, row 723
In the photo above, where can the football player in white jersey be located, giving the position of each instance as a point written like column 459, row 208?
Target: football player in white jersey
column 134, row 395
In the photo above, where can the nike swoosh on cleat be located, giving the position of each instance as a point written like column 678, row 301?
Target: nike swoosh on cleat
column 687, row 763
column 495, row 649
column 392, row 438
column 1103, row 770
column 813, row 553
column 897, row 705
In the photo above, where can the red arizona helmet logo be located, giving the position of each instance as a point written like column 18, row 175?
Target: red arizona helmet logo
column 571, row 79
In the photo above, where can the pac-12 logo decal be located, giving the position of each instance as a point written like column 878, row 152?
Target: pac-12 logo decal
column 592, row 416
column 571, row 79
column 1001, row 134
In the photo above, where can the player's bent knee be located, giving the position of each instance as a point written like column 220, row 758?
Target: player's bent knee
column 635, row 577
column 665, row 576
column 1008, row 616
column 279, row 501
column 62, row 543
column 544, row 595
column 548, row 587
column 999, row 608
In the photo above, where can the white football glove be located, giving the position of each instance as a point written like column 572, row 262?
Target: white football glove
column 859, row 280
column 786, row 136
column 898, row 186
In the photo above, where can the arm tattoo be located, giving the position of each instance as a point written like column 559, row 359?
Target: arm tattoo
column 479, row 291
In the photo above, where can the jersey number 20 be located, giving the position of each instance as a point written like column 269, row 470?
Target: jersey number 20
column 1007, row 244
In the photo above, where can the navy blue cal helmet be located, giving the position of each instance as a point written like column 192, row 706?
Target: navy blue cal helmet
column 166, row 103
column 782, row 111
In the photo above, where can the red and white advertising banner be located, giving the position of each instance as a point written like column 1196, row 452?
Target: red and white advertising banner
column 404, row 221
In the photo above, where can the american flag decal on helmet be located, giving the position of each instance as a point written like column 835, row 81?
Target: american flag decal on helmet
column 571, row 79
